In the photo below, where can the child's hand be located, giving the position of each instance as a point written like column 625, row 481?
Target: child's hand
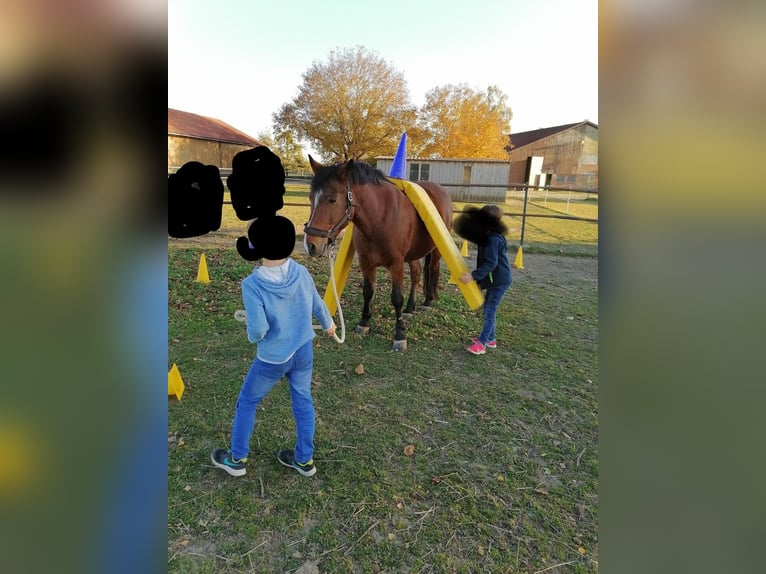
column 331, row 330
column 466, row 278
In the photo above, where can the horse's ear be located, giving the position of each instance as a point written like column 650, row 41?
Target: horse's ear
column 315, row 165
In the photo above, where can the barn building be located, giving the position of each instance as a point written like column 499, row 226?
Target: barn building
column 462, row 178
column 192, row 137
column 560, row 156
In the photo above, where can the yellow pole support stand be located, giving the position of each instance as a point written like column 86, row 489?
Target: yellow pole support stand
column 441, row 236
column 202, row 276
column 518, row 263
column 340, row 270
column 175, row 383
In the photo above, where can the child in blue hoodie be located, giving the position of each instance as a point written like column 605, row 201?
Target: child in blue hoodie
column 280, row 299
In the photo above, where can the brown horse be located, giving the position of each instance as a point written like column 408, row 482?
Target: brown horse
column 387, row 232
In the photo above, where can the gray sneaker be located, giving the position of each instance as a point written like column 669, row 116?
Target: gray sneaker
column 287, row 458
column 223, row 459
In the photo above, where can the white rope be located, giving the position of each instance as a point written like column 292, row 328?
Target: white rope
column 241, row 316
column 337, row 298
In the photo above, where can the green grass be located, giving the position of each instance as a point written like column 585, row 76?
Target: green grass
column 504, row 476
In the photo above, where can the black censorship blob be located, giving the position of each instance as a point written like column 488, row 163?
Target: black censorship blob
column 272, row 237
column 195, row 200
column 257, row 183
column 475, row 225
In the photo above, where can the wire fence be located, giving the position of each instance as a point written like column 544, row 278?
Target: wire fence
column 520, row 191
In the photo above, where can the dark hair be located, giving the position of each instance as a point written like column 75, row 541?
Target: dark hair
column 494, row 210
column 475, row 225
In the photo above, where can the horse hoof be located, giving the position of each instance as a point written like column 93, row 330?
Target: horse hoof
column 361, row 330
column 408, row 314
column 400, row 345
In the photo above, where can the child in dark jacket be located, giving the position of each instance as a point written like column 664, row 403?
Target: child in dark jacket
column 486, row 229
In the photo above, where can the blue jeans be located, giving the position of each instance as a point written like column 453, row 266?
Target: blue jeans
column 492, row 299
column 259, row 381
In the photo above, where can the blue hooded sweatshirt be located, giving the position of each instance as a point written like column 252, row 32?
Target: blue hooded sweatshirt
column 280, row 310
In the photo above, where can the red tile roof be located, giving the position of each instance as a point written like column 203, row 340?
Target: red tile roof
column 195, row 126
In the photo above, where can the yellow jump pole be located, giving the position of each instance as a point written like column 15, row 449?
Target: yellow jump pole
column 464, row 254
column 340, row 270
column 442, row 238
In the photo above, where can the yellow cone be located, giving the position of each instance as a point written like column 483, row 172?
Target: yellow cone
column 202, row 276
column 175, row 383
column 518, row 263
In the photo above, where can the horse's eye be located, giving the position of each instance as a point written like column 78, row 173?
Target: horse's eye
column 332, row 199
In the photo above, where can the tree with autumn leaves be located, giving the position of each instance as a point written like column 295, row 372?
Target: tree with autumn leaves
column 459, row 122
column 356, row 106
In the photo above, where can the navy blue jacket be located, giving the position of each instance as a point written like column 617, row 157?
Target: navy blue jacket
column 492, row 266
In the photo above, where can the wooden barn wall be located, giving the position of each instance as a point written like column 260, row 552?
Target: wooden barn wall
column 588, row 168
column 182, row 150
column 571, row 155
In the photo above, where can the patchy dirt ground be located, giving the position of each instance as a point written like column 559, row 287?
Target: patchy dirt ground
column 564, row 270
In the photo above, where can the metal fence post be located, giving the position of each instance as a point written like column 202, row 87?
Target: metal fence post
column 518, row 262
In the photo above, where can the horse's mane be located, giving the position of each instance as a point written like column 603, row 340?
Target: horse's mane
column 360, row 173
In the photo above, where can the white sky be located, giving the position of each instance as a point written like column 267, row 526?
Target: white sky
column 241, row 60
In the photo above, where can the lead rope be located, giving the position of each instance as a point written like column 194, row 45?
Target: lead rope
column 241, row 316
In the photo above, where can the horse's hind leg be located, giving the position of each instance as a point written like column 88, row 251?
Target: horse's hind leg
column 431, row 278
column 416, row 271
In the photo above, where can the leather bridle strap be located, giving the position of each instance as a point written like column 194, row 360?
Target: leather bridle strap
column 332, row 233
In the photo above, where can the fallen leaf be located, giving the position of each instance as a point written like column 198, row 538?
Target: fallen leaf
column 480, row 550
column 409, row 450
column 581, row 550
column 436, row 479
column 541, row 489
column 500, row 478
column 187, row 488
column 359, row 369
column 181, row 442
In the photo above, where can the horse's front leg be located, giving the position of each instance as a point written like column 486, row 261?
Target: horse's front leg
column 431, row 278
column 416, row 271
column 368, row 291
column 397, row 300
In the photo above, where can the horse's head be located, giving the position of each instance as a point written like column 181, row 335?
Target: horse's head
column 331, row 206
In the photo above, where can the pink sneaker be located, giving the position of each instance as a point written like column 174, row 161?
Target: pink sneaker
column 489, row 345
column 477, row 348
